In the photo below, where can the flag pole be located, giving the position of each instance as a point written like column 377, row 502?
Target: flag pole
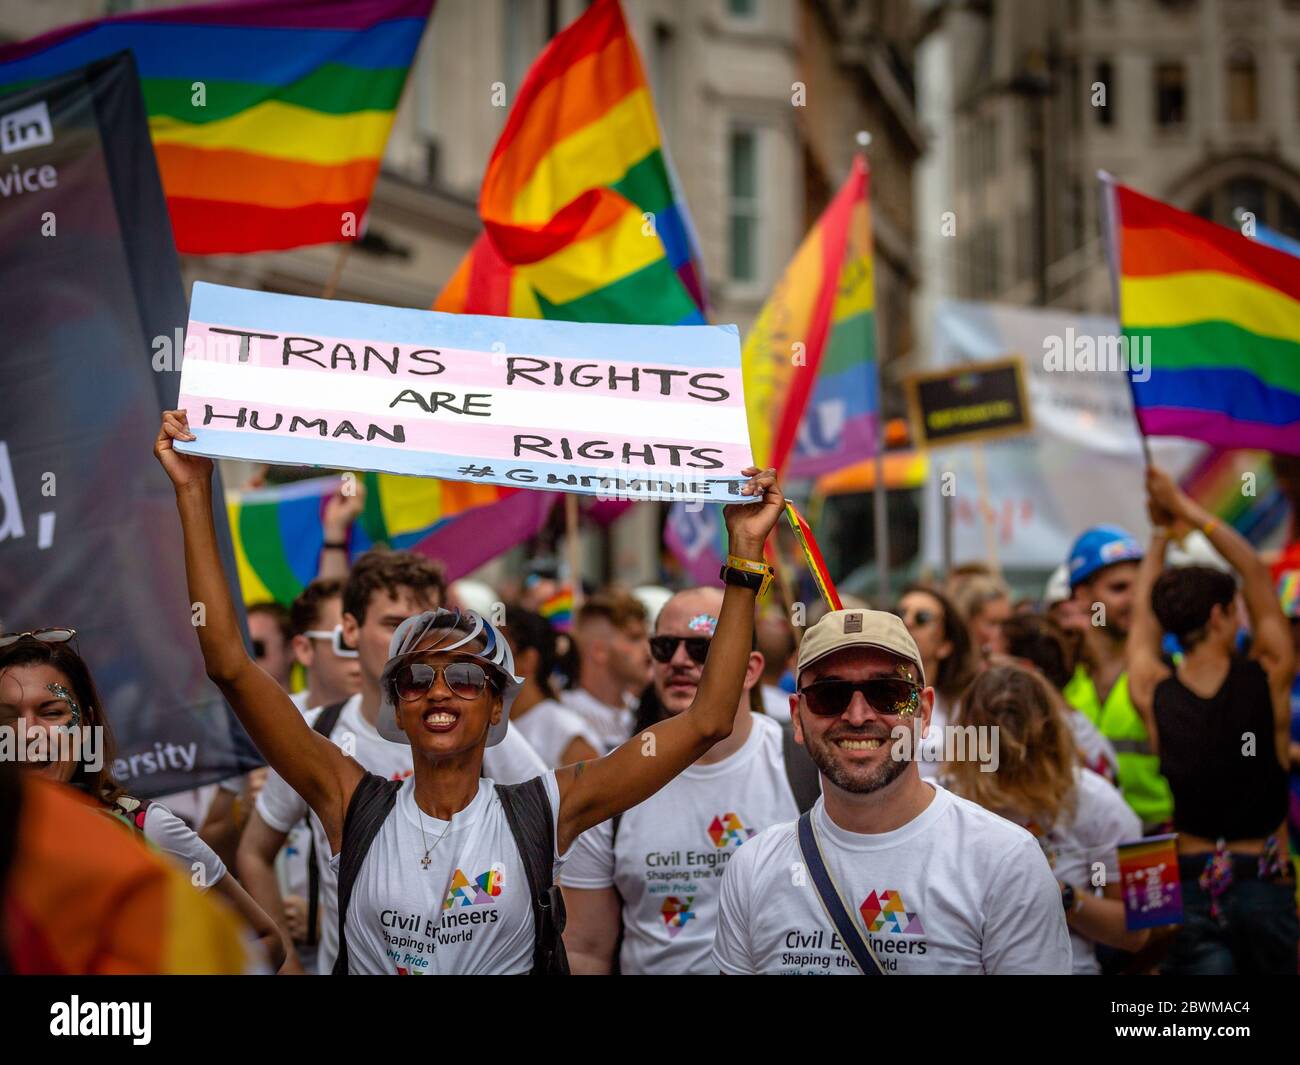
column 1109, row 233
column 880, row 498
column 571, row 547
column 336, row 275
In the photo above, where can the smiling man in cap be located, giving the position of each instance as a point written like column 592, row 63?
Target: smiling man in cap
column 886, row 873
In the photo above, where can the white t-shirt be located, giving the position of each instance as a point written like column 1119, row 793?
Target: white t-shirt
column 955, row 890
column 671, row 850
column 282, row 808
column 512, row 760
column 299, row 699
column 468, row 913
column 611, row 724
column 776, row 702
column 550, row 727
column 174, row 837
column 930, row 749
column 1102, row 820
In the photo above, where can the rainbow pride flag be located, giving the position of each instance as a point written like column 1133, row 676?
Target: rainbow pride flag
column 278, row 535
column 558, row 609
column 810, row 359
column 582, row 217
column 1219, row 483
column 1221, row 315
column 268, row 117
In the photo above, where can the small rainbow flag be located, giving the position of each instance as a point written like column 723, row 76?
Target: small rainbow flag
column 558, row 609
column 277, row 531
column 583, row 220
column 269, row 117
column 1221, row 315
column 1238, row 487
column 812, row 554
column 1288, row 594
column 809, row 361
column 1152, row 889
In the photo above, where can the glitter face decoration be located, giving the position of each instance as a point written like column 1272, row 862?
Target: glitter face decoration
column 60, row 692
column 703, row 624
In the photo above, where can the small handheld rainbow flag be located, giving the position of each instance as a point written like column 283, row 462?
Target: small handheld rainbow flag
column 1153, row 893
column 268, row 117
column 812, row 553
column 558, row 609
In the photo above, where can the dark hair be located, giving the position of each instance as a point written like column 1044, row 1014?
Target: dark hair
column 957, row 670
column 278, row 613
column 61, row 656
column 529, row 631
column 1043, row 642
column 380, row 569
column 620, row 609
column 305, row 613
column 1183, row 598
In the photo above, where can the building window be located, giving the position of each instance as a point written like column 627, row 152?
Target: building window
column 1243, row 88
column 1171, row 94
column 742, row 9
column 1101, row 92
column 523, row 39
column 742, row 205
column 663, row 76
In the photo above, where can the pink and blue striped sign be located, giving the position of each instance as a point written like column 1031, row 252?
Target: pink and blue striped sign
column 616, row 411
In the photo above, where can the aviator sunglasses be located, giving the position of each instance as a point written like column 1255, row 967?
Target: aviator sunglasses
column 40, row 635
column 465, row 679
column 885, row 695
column 662, row 648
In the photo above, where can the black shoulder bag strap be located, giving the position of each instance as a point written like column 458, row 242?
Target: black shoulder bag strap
column 850, row 935
column 528, row 812
column 324, row 724
column 801, row 771
column 371, row 804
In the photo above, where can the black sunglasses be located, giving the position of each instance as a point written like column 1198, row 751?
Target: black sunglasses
column 40, row 635
column 885, row 695
column 259, row 648
column 918, row 617
column 662, row 648
column 465, row 679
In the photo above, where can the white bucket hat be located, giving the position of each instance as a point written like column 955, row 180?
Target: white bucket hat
column 464, row 632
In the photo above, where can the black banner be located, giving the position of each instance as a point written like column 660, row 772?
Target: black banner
column 979, row 401
column 92, row 313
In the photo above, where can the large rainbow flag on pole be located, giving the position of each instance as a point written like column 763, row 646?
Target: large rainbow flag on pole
column 1218, row 317
column 278, row 536
column 582, row 218
column 268, row 117
column 810, row 359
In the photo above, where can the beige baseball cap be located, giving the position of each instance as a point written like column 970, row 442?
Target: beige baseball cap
column 858, row 628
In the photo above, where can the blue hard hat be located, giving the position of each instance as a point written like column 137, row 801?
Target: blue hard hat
column 1099, row 547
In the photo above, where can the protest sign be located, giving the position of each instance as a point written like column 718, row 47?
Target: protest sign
column 621, row 411
column 973, row 402
column 1153, row 894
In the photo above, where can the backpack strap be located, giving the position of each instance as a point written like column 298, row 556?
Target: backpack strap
column 324, row 724
column 528, row 812
column 801, row 771
column 832, row 902
column 370, row 806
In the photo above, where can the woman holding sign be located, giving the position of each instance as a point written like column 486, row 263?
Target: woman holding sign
column 446, row 872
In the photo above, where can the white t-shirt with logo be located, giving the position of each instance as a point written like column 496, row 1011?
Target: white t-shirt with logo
column 1102, row 820
column 468, row 913
column 550, row 727
column 671, row 850
column 955, row 890
column 175, row 838
column 282, row 808
column 611, row 724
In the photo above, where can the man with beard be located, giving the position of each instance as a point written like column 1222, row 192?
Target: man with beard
column 653, row 873
column 930, row 882
column 1103, row 573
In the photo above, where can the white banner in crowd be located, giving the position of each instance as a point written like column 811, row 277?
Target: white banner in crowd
column 1082, row 465
column 619, row 411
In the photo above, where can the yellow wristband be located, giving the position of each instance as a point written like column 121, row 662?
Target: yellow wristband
column 1210, row 526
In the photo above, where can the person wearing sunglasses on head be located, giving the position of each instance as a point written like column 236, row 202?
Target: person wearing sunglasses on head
column 947, row 657
column 447, row 872
column 886, row 873
column 653, row 872
column 48, row 693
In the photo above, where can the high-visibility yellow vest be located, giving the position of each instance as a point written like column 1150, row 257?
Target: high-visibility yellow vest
column 1144, row 789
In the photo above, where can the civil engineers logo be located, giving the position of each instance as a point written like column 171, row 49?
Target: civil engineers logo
column 483, row 889
column 676, row 912
column 728, row 831
column 884, row 912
